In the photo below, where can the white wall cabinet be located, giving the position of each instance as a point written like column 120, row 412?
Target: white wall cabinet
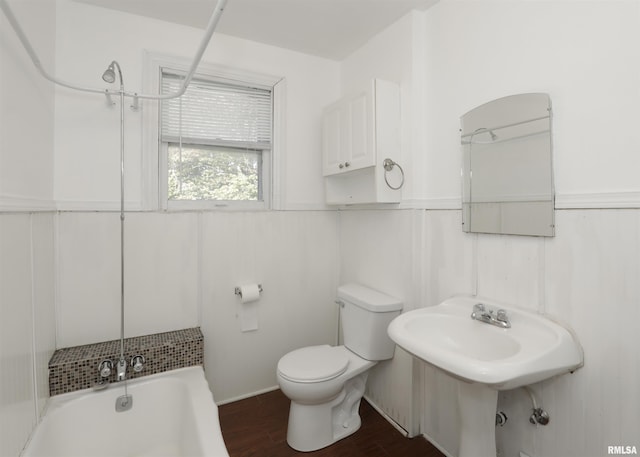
column 359, row 132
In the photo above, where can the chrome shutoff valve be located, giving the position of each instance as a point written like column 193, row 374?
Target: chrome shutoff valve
column 539, row 416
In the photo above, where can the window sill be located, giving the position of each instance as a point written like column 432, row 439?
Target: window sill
column 201, row 205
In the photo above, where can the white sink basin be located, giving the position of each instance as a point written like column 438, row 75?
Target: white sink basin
column 534, row 348
column 486, row 357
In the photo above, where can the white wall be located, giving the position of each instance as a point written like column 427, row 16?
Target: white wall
column 27, row 323
column 27, row 277
column 585, row 55
column 181, row 270
column 26, row 107
column 375, row 250
column 87, row 136
column 294, row 256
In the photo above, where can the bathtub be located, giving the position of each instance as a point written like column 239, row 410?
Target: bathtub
column 173, row 415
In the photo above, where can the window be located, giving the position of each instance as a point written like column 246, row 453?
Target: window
column 215, row 143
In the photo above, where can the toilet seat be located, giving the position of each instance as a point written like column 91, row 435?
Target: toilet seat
column 313, row 364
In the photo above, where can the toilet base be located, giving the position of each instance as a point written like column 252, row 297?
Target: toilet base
column 312, row 427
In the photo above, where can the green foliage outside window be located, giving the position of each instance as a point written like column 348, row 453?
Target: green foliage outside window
column 211, row 173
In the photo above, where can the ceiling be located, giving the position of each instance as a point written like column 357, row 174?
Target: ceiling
column 326, row 28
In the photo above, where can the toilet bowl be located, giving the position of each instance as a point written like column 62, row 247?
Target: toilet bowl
column 324, row 399
column 326, row 383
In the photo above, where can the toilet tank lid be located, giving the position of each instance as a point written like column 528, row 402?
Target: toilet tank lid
column 368, row 299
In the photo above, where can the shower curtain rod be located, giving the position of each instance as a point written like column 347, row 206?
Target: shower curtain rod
column 213, row 22
column 505, row 126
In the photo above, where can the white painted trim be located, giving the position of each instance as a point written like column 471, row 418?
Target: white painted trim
column 81, row 205
column 595, row 200
column 16, row 203
column 34, row 346
column 208, row 205
column 432, row 203
column 57, row 300
column 308, row 207
column 586, row 200
column 249, row 395
column 367, row 206
column 604, row 200
column 437, row 446
column 279, row 150
column 386, row 416
column 150, row 128
column 417, row 395
column 200, row 265
column 435, row 204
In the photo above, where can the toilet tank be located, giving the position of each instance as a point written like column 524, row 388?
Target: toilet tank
column 365, row 315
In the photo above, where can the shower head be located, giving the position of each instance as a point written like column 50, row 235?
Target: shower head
column 480, row 131
column 109, row 74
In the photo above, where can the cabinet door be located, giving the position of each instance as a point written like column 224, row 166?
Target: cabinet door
column 361, row 150
column 348, row 135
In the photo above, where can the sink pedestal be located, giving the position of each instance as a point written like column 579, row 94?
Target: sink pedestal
column 477, row 405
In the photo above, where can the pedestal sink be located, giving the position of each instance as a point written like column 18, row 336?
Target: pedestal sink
column 486, row 356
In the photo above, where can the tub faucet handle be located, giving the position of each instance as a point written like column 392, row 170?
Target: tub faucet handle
column 105, row 368
column 137, row 362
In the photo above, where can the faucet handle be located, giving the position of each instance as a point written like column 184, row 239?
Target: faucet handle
column 478, row 311
column 502, row 315
column 137, row 362
column 105, row 368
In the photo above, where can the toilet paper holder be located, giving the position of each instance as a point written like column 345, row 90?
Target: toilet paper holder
column 238, row 292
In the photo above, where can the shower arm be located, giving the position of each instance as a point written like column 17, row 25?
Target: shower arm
column 213, row 22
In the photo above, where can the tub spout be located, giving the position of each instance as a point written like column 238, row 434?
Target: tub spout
column 122, row 369
column 101, row 385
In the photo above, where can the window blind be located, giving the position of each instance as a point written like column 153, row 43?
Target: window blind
column 216, row 113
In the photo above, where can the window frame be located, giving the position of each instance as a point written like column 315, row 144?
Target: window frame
column 155, row 165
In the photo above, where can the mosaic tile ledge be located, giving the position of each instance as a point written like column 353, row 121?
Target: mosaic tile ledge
column 76, row 368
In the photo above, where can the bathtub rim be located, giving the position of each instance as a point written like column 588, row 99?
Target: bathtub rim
column 200, row 397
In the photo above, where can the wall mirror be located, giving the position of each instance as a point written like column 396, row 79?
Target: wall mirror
column 507, row 174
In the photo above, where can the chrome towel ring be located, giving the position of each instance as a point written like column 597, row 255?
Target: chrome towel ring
column 388, row 165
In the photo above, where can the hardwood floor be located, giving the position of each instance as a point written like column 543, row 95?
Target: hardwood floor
column 257, row 427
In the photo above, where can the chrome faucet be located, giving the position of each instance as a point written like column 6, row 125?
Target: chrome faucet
column 122, row 369
column 498, row 318
column 105, row 368
column 137, row 363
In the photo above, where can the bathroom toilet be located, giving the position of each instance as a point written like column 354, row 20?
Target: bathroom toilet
column 326, row 383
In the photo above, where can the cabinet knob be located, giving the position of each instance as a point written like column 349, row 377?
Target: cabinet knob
column 347, row 164
column 341, row 166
